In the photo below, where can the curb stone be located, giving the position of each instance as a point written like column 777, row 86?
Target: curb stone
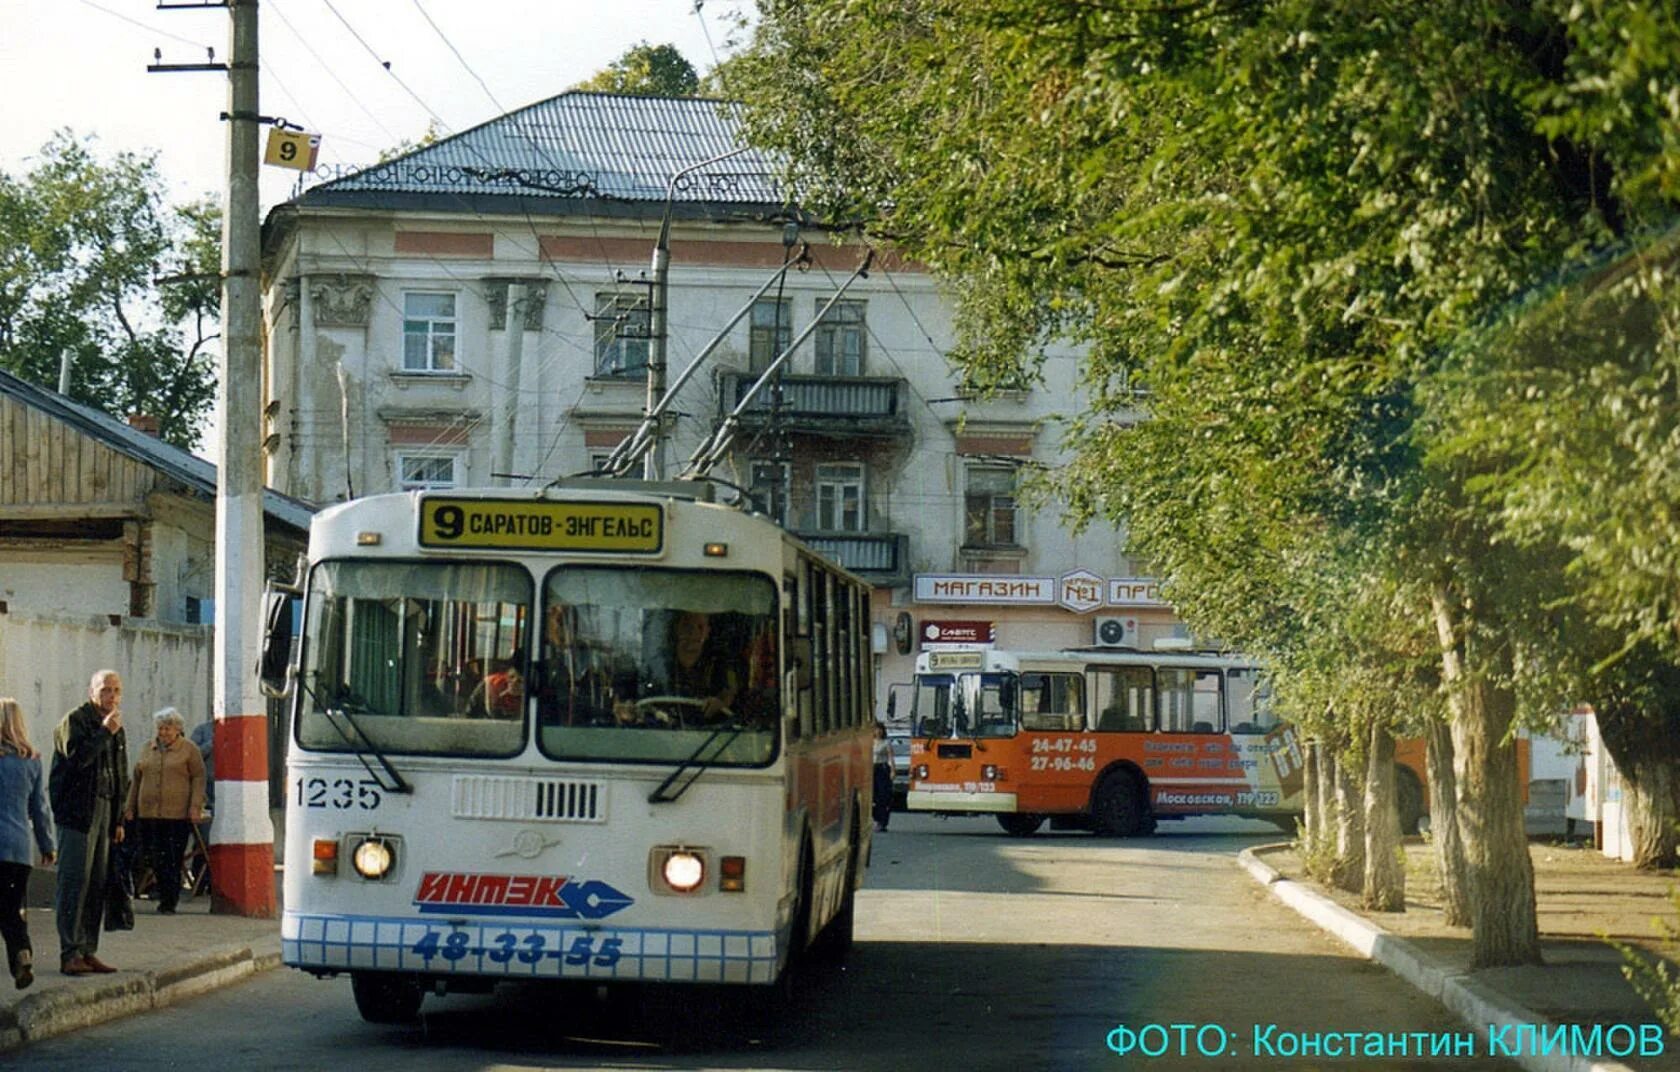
column 1475, row 1004
column 56, row 1012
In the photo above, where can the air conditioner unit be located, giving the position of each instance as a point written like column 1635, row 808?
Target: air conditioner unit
column 1116, row 632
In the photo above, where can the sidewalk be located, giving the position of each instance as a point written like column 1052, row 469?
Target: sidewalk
column 164, row 959
column 1582, row 898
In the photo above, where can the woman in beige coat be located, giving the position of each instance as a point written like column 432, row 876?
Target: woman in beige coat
column 166, row 796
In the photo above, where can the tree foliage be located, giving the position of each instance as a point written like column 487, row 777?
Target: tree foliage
column 94, row 263
column 646, row 71
column 1275, row 225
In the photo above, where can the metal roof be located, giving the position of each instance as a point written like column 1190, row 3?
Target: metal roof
column 583, row 146
column 172, row 461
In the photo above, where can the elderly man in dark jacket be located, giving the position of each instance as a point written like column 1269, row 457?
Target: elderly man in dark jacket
column 88, row 784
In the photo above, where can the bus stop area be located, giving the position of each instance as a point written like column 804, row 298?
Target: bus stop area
column 1584, row 900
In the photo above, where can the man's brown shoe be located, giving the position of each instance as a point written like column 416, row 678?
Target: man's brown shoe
column 95, row 964
column 77, row 966
column 24, row 973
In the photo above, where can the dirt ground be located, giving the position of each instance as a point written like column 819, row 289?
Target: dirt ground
column 1584, row 900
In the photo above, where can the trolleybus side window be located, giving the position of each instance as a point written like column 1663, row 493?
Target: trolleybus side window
column 1125, row 699
column 1191, row 700
column 1052, row 701
column 843, row 622
column 426, row 658
column 796, row 658
column 1249, row 699
column 656, row 662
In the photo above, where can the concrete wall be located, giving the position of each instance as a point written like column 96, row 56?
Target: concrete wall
column 46, row 661
column 46, row 582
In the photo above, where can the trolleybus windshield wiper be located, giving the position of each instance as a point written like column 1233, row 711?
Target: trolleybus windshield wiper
column 694, row 766
column 361, row 750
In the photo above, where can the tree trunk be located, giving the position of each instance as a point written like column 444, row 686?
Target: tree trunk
column 1639, row 719
column 1349, row 871
column 1443, row 825
column 1325, row 790
column 1504, row 930
column 1648, row 795
column 1385, row 869
column 1312, row 818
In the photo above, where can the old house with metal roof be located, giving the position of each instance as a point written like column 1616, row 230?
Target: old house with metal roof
column 479, row 311
column 107, row 557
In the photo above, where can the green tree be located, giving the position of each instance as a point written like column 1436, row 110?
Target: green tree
column 93, row 263
column 646, row 71
column 407, row 145
column 1271, row 224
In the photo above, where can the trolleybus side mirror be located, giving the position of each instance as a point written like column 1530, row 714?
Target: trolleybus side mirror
column 275, row 666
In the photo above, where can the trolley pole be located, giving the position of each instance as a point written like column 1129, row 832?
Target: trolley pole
column 242, row 837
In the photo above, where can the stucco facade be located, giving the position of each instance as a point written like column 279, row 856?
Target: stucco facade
column 483, row 335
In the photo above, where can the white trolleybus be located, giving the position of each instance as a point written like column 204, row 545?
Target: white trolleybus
column 607, row 732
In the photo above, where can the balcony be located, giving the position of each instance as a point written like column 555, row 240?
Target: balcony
column 880, row 558
column 867, row 407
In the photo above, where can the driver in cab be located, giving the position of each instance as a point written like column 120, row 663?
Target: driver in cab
column 694, row 673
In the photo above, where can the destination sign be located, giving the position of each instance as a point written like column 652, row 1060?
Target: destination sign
column 955, row 660
column 542, row 525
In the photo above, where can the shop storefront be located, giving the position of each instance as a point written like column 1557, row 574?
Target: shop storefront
column 1075, row 609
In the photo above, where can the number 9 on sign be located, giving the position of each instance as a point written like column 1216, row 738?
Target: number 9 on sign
column 292, row 149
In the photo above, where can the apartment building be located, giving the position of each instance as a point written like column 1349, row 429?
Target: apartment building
column 481, row 312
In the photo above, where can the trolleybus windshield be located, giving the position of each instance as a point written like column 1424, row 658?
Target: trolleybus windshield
column 427, row 658
column 644, row 665
column 965, row 705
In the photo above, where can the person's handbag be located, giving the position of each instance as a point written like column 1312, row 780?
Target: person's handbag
column 119, row 901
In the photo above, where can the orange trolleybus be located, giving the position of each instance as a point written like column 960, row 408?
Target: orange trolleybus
column 1110, row 741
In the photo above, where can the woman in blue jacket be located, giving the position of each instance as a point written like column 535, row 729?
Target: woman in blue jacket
column 23, row 810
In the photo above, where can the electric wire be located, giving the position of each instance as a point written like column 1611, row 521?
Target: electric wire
column 386, row 64
column 463, row 60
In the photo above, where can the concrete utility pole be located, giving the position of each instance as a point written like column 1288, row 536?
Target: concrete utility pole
column 653, row 464
column 242, row 838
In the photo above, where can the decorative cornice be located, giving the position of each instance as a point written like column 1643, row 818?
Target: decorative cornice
column 530, row 305
column 342, row 301
column 536, row 297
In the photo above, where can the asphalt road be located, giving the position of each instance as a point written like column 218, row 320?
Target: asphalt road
column 975, row 952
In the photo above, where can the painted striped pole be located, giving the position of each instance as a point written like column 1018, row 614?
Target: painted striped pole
column 242, row 835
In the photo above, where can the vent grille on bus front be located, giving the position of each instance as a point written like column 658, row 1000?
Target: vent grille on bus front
column 478, row 796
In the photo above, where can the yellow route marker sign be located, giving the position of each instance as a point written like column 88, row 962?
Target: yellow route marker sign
column 292, row 149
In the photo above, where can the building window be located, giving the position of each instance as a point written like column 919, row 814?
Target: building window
column 428, row 332
column 840, row 498
column 770, row 329
column 840, row 337
column 622, row 331
column 989, row 508
column 770, row 487
column 426, row 472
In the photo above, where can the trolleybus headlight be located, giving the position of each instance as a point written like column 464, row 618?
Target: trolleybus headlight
column 920, row 773
column 373, row 858
column 684, row 871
